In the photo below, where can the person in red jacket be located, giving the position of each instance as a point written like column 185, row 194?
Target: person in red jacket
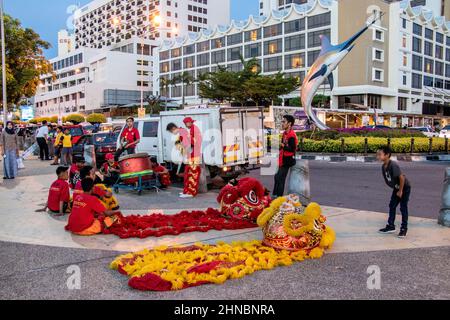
column 288, row 147
column 59, row 194
column 89, row 216
column 195, row 136
column 129, row 139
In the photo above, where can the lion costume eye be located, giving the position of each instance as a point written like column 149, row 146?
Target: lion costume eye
column 252, row 197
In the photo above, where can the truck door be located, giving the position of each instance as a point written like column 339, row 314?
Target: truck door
column 232, row 138
column 253, row 120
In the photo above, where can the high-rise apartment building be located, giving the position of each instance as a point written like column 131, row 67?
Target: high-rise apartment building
column 103, row 23
column 398, row 74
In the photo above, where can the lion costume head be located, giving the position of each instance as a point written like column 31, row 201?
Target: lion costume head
column 287, row 225
column 244, row 200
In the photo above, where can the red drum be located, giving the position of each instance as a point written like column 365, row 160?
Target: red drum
column 134, row 166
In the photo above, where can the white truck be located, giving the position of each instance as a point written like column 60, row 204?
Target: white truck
column 233, row 139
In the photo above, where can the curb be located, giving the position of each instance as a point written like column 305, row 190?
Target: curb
column 368, row 159
column 371, row 159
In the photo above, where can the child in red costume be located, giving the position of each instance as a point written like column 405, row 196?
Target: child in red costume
column 59, row 194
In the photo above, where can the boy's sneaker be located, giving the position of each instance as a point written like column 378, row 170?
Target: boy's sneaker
column 387, row 230
column 403, row 233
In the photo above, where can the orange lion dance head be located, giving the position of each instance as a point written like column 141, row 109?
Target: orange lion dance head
column 244, row 199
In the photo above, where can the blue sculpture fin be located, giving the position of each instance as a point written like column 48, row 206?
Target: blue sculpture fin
column 326, row 45
column 320, row 73
column 331, row 81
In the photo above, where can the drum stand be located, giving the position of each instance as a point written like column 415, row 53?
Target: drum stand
column 140, row 185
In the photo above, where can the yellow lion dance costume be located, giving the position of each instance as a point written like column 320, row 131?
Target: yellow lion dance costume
column 292, row 234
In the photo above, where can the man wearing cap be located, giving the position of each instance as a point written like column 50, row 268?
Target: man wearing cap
column 129, row 139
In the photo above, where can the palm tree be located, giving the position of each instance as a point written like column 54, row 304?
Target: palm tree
column 165, row 84
column 185, row 79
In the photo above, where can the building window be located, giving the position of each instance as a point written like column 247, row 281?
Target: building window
column 203, row 46
column 378, row 35
column 164, row 55
column 416, row 81
column 273, row 46
column 252, row 35
column 294, row 43
column 234, row 54
column 234, row 39
column 417, row 29
column 439, row 68
column 164, row 67
column 218, row 56
column 417, row 62
column 429, row 34
column 294, row 61
column 176, row 52
column 273, row 64
column 203, row 59
column 402, row 104
column 189, row 49
column 374, row 101
column 253, row 50
column 428, row 49
column 189, row 62
column 378, row 55
column 417, row 45
column 218, row 43
column 314, row 38
column 378, row 75
column 273, row 31
column 428, row 81
column 176, row 65
column 428, row 66
column 439, row 52
column 320, row 20
column 294, row 26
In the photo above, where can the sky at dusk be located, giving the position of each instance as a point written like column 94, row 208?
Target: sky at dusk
column 47, row 17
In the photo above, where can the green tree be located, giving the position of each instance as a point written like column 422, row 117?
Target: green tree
column 246, row 85
column 75, row 118
column 94, row 118
column 25, row 61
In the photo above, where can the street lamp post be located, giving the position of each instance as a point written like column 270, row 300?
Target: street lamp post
column 142, row 34
column 5, row 99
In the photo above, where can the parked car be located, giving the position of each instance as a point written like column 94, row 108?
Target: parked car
column 445, row 132
column 427, row 131
column 76, row 131
column 103, row 143
column 377, row 127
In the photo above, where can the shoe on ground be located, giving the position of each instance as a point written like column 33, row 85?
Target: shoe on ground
column 403, row 233
column 387, row 230
column 185, row 196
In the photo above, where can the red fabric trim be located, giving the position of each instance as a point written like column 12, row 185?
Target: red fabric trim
column 159, row 225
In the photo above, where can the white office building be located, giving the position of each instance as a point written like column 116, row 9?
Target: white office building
column 92, row 80
column 398, row 73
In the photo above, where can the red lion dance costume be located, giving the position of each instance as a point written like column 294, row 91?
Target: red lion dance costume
column 241, row 204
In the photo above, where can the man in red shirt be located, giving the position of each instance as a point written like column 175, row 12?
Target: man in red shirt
column 195, row 136
column 288, row 148
column 89, row 216
column 129, row 139
column 59, row 194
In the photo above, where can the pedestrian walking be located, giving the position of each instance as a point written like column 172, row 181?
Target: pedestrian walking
column 286, row 160
column 41, row 139
column 51, row 141
column 9, row 143
column 66, row 153
column 396, row 180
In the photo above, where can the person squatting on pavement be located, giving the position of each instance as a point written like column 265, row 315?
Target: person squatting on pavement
column 401, row 193
column 286, row 161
